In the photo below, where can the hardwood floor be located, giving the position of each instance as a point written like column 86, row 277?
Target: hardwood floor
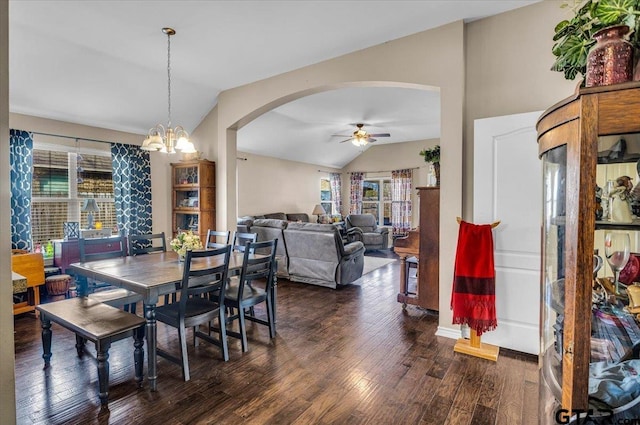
column 346, row 356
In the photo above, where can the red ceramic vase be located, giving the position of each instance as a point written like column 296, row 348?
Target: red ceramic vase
column 610, row 60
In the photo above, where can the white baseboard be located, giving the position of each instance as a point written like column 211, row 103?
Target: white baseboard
column 523, row 337
column 448, row 332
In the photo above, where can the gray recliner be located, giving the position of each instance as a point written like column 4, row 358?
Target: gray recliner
column 318, row 256
column 373, row 237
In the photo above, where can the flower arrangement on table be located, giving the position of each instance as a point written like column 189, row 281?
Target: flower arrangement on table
column 185, row 241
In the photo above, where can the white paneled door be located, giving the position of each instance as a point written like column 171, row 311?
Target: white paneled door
column 507, row 182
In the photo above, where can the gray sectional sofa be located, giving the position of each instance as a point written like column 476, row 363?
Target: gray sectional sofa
column 312, row 253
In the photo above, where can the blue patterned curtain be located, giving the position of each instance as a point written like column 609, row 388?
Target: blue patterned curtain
column 132, row 188
column 21, row 161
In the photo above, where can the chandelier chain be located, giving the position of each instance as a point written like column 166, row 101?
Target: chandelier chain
column 169, row 78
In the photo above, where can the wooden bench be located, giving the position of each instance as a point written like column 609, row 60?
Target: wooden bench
column 96, row 322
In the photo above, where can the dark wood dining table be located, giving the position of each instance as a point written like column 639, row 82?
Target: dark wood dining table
column 152, row 276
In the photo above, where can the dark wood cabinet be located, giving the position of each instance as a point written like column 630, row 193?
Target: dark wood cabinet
column 193, row 196
column 426, row 294
column 66, row 252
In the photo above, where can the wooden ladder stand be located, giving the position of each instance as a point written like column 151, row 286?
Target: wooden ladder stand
column 474, row 346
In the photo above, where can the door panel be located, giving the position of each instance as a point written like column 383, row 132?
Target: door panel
column 508, row 188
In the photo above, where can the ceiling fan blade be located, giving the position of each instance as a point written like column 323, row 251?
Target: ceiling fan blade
column 371, row 140
column 341, row 135
column 380, row 135
column 350, row 138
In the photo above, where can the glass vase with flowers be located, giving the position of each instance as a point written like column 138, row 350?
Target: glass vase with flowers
column 185, row 241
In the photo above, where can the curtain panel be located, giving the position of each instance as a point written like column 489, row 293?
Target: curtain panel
column 21, row 163
column 335, row 180
column 355, row 196
column 132, row 188
column 401, row 201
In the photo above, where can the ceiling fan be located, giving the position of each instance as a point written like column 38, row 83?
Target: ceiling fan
column 360, row 137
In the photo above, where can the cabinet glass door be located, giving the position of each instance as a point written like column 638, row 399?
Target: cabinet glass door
column 553, row 273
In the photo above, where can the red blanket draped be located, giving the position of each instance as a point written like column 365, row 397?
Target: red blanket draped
column 473, row 298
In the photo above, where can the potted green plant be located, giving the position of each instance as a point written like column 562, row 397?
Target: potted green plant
column 433, row 156
column 574, row 37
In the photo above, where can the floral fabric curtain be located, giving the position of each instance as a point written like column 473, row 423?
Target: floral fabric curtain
column 401, row 201
column 356, row 187
column 335, row 180
column 132, row 188
column 21, row 162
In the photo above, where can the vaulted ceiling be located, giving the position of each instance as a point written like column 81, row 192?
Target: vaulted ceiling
column 104, row 64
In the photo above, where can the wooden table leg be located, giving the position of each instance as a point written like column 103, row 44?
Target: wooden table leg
column 152, row 329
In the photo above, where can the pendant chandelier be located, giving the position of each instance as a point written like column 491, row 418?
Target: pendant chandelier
column 168, row 139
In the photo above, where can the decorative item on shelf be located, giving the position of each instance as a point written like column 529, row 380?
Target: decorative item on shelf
column 433, row 156
column 617, row 251
column 599, row 210
column 319, row 211
column 591, row 43
column 71, row 230
column 185, row 241
column 90, row 207
column 620, row 203
column 168, row 139
column 610, row 60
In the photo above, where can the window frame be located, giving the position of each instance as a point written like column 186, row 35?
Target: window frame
column 73, row 201
column 380, row 203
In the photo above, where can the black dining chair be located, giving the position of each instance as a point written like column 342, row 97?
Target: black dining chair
column 240, row 239
column 144, row 244
column 116, row 297
column 205, row 273
column 212, row 240
column 243, row 295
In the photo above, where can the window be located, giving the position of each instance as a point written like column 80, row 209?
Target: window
column 325, row 195
column 376, row 200
column 58, row 194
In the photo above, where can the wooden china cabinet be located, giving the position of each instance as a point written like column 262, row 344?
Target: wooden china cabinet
column 193, row 196
column 589, row 341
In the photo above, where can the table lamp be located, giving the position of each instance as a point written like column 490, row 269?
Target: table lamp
column 318, row 210
column 90, row 206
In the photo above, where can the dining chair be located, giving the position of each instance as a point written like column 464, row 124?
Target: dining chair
column 143, row 244
column 240, row 239
column 242, row 295
column 205, row 273
column 212, row 238
column 116, row 297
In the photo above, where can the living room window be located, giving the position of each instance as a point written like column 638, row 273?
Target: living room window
column 325, row 195
column 376, row 200
column 61, row 182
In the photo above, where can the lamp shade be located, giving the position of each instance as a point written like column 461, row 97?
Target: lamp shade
column 318, row 210
column 90, row 205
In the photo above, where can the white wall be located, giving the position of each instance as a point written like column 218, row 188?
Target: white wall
column 7, row 356
column 268, row 185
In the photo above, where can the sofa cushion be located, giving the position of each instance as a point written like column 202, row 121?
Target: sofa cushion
column 302, row 217
column 277, row 216
column 366, row 222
